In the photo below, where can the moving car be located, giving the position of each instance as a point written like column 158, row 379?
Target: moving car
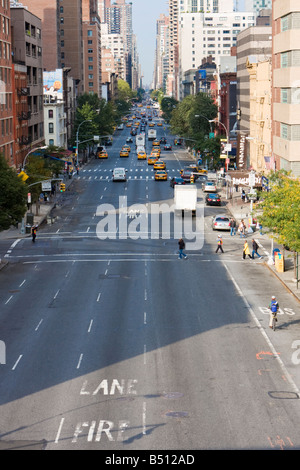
column 119, row 174
column 168, row 147
column 152, row 159
column 221, row 222
column 129, row 140
column 210, row 187
column 186, row 175
column 156, row 143
column 103, row 154
column 176, row 180
column 163, row 140
column 126, row 147
column 161, row 175
column 142, row 155
column 159, row 165
column 124, row 153
column 213, row 199
column 159, row 123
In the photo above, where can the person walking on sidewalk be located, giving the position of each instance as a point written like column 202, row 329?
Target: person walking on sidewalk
column 219, row 244
column 254, row 249
column 242, row 229
column 181, row 246
column 232, row 224
column 246, row 250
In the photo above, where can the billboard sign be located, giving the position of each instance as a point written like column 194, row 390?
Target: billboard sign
column 53, row 84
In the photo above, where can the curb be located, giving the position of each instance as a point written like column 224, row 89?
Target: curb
column 3, row 264
column 282, row 282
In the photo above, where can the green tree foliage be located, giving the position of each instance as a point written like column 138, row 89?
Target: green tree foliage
column 281, row 209
column 167, row 105
column 13, row 194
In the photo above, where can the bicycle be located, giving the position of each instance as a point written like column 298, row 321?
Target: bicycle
column 273, row 307
column 274, row 320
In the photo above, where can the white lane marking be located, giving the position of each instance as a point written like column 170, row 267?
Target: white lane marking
column 90, row 326
column 17, row 362
column 38, row 325
column 99, row 295
column 22, row 283
column 144, row 418
column 8, row 300
column 56, row 294
column 59, row 430
column 79, row 362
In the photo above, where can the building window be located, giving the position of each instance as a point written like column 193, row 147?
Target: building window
column 50, row 113
column 51, row 128
column 90, row 33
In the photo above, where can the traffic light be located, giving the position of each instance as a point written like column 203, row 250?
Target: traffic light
column 62, row 187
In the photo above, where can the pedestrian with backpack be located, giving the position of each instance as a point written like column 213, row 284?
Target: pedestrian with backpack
column 274, row 307
column 219, row 244
column 33, row 232
column 254, row 249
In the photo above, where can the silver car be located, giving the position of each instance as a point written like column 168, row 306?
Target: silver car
column 221, row 222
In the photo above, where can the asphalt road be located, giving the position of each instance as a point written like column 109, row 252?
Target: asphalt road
column 116, row 344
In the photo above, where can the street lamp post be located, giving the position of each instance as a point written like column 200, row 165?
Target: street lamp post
column 77, row 142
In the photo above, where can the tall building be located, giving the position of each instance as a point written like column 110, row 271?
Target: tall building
column 27, row 51
column 286, row 85
column 254, row 43
column 206, row 6
column 172, row 85
column 6, row 85
column 161, row 66
column 91, row 33
column 202, row 35
column 62, row 35
column 118, row 16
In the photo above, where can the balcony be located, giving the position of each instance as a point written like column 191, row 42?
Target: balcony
column 25, row 140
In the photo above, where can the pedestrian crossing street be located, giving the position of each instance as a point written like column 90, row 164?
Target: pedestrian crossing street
column 132, row 174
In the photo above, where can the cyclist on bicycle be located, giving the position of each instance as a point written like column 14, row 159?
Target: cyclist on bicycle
column 273, row 306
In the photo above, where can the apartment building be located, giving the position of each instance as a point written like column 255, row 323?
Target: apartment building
column 115, row 43
column 172, row 83
column 260, row 114
column 62, row 40
column 208, row 34
column 6, row 85
column 254, row 43
column 161, row 66
column 27, row 51
column 91, row 33
column 286, row 85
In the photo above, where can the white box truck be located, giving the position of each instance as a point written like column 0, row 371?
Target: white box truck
column 151, row 134
column 140, row 140
column 185, row 199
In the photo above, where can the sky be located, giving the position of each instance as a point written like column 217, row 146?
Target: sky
column 144, row 16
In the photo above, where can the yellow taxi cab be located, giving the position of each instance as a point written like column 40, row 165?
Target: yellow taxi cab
column 128, row 124
column 142, row 155
column 103, row 154
column 159, row 123
column 159, row 165
column 155, row 143
column 124, row 153
column 151, row 124
column 155, row 151
column 161, row 175
column 152, row 159
column 127, row 148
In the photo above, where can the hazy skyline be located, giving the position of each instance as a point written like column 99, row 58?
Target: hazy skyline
column 145, row 13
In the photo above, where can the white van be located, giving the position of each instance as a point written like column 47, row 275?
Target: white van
column 119, row 174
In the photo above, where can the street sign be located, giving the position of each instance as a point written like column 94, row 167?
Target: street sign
column 46, row 185
column 252, row 179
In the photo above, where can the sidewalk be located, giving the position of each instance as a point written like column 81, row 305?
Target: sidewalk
column 241, row 210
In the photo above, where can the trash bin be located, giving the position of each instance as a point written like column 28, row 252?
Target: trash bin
column 28, row 228
column 279, row 262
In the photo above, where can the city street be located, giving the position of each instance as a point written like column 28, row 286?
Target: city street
column 116, row 344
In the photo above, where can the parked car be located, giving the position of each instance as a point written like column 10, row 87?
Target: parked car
column 210, row 187
column 213, row 199
column 221, row 222
column 176, row 180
